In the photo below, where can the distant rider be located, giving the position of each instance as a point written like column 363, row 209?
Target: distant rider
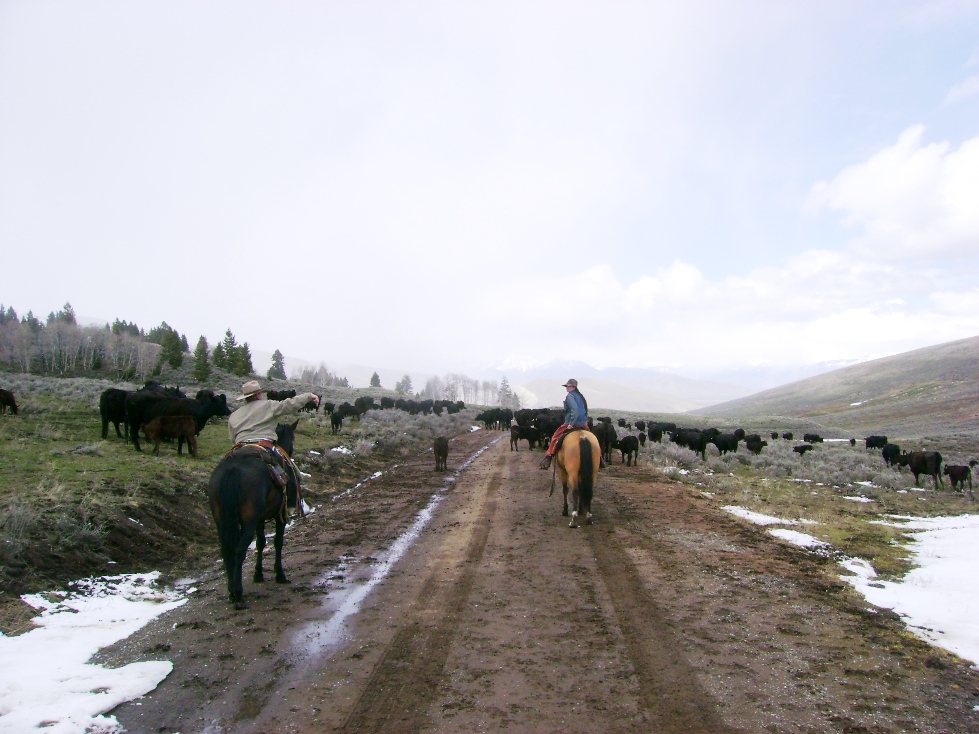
column 255, row 421
column 575, row 419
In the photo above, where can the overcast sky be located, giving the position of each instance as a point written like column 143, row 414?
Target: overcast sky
column 444, row 186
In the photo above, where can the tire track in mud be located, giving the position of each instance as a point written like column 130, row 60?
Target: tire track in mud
column 668, row 689
column 406, row 679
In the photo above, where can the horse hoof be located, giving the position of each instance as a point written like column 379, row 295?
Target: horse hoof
column 258, row 578
column 564, row 514
column 572, row 525
column 588, row 519
column 282, row 580
column 240, row 605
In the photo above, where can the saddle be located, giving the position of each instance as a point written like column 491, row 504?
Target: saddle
column 563, row 436
column 280, row 466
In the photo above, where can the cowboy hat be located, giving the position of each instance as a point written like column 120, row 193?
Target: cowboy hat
column 571, row 383
column 250, row 388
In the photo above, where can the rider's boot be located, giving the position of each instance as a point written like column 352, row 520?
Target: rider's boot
column 545, row 462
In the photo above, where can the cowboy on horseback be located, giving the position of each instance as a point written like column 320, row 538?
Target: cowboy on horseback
column 575, row 419
column 255, row 421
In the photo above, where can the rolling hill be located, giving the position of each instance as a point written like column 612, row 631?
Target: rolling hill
column 923, row 392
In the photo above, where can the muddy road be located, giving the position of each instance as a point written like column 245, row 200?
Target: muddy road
column 463, row 602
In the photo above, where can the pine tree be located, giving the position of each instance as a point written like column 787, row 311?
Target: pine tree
column 220, row 357
column 230, row 345
column 240, row 360
column 403, row 386
column 202, row 368
column 172, row 352
column 375, row 380
column 278, row 369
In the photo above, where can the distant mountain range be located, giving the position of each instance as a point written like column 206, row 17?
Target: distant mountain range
column 922, row 392
column 617, row 388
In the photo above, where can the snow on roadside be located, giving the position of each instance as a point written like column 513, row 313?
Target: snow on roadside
column 796, row 538
column 938, row 600
column 46, row 679
column 756, row 517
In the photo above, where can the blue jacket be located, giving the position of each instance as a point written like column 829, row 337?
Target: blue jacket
column 575, row 412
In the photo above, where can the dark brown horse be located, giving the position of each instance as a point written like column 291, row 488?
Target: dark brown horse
column 243, row 495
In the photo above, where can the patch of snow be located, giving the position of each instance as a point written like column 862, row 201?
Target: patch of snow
column 859, row 499
column 305, row 475
column 314, row 453
column 341, row 450
column 938, row 598
column 135, row 521
column 807, row 481
column 46, row 679
column 796, row 538
column 475, row 428
column 865, row 484
column 756, row 517
column 376, row 474
column 836, row 440
column 854, row 405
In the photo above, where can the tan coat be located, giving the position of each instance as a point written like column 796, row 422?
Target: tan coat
column 257, row 420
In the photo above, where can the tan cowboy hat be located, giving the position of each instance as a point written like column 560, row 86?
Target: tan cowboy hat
column 571, row 383
column 250, row 388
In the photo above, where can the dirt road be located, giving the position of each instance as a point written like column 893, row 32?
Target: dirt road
column 463, row 602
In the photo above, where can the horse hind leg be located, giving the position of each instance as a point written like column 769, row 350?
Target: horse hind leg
column 565, row 512
column 260, row 541
column 280, row 575
column 235, row 587
column 576, row 503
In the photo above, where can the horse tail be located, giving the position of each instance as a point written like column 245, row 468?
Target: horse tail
column 586, row 471
column 229, row 502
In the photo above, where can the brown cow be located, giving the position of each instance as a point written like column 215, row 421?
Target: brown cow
column 180, row 427
column 7, row 401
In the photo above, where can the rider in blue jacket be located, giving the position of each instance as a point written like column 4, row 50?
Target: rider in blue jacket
column 575, row 419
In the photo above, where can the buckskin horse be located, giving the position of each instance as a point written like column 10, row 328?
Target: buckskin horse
column 242, row 496
column 577, row 462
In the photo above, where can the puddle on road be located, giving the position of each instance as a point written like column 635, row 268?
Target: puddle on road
column 353, row 579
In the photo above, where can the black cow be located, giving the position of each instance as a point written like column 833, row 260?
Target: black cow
column 528, row 433
column 801, row 450
column 787, row 435
column 629, row 446
column 959, row 475
column 725, row 442
column 440, row 448
column 853, row 442
column 876, row 442
column 141, row 408
column 924, row 462
column 692, row 439
column 739, row 434
column 621, row 422
column 754, row 443
column 112, row 408
column 655, row 433
column 642, row 438
column 336, row 422
column 812, row 438
column 774, row 435
column 891, row 453
column 641, row 425
column 280, row 395
column 607, row 439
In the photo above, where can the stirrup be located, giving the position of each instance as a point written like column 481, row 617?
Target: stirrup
column 545, row 462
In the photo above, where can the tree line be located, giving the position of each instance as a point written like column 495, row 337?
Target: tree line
column 60, row 346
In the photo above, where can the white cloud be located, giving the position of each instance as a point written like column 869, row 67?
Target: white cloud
column 909, row 199
column 963, row 90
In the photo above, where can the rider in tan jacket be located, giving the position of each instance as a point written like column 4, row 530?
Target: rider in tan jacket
column 257, row 418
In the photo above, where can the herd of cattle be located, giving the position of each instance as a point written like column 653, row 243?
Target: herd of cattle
column 162, row 412
column 536, row 426
column 166, row 413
